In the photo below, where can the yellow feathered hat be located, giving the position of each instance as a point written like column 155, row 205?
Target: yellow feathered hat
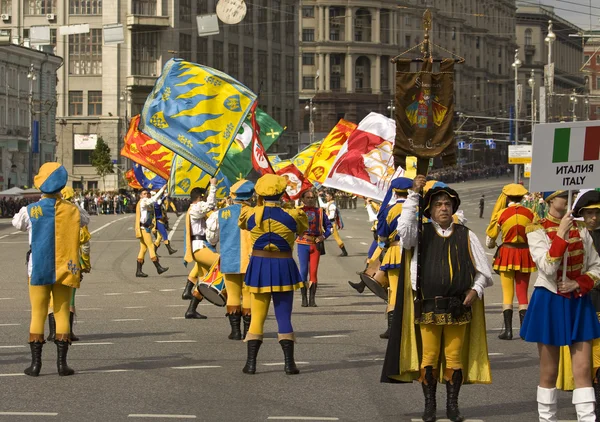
column 51, row 178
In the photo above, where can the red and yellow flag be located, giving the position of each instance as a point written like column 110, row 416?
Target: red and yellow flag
column 131, row 180
column 326, row 154
column 145, row 151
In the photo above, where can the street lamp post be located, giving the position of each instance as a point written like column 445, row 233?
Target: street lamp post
column 391, row 108
column 311, row 126
column 550, row 38
column 531, row 83
column 32, row 77
column 125, row 98
column 516, row 65
column 574, row 102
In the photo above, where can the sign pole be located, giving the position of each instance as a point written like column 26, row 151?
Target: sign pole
column 569, row 205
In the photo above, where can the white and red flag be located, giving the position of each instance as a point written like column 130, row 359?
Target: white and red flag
column 297, row 183
column 260, row 161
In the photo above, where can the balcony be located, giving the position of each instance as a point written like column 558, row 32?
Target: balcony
column 139, row 81
column 529, row 49
column 138, row 21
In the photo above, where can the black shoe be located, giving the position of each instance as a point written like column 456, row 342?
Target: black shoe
column 170, row 249
column 344, row 252
column 522, row 313
column 507, row 333
column 304, row 297
column 234, row 321
column 253, row 346
column 452, row 390
column 51, row 327
column 390, row 317
column 191, row 310
column 429, row 385
column 187, row 291
column 72, row 335
column 62, row 347
column 288, row 357
column 36, row 358
column 247, row 319
column 359, row 287
column 160, row 269
column 312, row 291
column 139, row 272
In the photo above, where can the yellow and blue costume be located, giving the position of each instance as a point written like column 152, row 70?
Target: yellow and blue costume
column 272, row 271
column 53, row 262
column 161, row 220
column 144, row 216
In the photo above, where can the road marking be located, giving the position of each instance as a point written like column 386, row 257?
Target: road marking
column 108, row 224
column 142, row 292
column 135, row 307
column 104, row 371
column 78, row 295
column 331, row 336
column 329, row 298
column 113, row 294
column 177, row 306
column 90, row 309
column 2, row 237
column 127, row 320
column 349, row 237
column 9, row 325
column 178, row 317
column 175, row 226
column 17, row 232
column 7, row 298
column 28, row 413
column 151, row 415
column 11, row 347
column 364, row 360
column 489, row 254
column 195, row 367
column 364, row 243
column 282, row 363
column 167, row 290
column 93, row 344
column 12, row 375
column 175, row 341
column 495, row 354
column 302, row 418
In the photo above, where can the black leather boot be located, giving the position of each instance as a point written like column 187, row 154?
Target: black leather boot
column 160, row 269
column 596, row 385
column 191, row 310
column 452, row 390
column 247, row 319
column 36, row 357
column 507, row 333
column 429, row 384
column 344, row 252
column 522, row 313
column 139, row 272
column 170, row 249
column 359, row 287
column 234, row 321
column 390, row 317
column 304, row 297
column 72, row 334
column 312, row 291
column 51, row 327
column 187, row 291
column 253, row 346
column 288, row 357
column 62, row 347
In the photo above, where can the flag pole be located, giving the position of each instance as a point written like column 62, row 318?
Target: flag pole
column 569, row 205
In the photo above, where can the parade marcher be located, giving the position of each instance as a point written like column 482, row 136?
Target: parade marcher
column 162, row 221
column 272, row 271
column 222, row 226
column 560, row 311
column 372, row 208
column 197, row 248
column 447, row 310
column 334, row 216
column 481, row 205
column 144, row 213
column 387, row 234
column 311, row 246
column 512, row 261
column 52, row 266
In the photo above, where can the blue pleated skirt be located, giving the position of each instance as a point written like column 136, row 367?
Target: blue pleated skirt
column 559, row 321
column 265, row 275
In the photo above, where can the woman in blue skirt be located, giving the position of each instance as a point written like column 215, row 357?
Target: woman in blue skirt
column 560, row 311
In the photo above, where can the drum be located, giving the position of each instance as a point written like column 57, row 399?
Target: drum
column 377, row 283
column 212, row 287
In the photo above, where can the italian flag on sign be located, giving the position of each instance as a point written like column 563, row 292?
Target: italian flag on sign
column 576, row 144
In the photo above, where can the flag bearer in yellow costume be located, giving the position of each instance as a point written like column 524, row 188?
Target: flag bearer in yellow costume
column 144, row 216
column 448, row 312
column 196, row 247
column 222, row 226
column 272, row 271
column 512, row 261
column 53, row 267
column 334, row 216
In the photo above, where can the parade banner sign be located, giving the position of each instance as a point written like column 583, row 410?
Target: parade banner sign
column 519, row 154
column 365, row 164
column 142, row 149
column 185, row 176
column 330, row 147
column 196, row 111
column 147, row 178
column 565, row 156
column 424, row 112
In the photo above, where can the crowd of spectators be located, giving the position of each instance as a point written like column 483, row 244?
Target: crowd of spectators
column 9, row 205
column 462, row 174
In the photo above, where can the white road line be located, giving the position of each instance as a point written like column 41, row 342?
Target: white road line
column 135, row 307
column 177, row 306
column 178, row 317
column 167, row 290
column 331, row 336
column 2, row 237
column 175, row 226
column 12, row 375
column 495, row 354
column 175, row 341
column 302, row 418
column 329, row 298
column 7, row 298
column 364, row 243
column 17, row 232
column 11, row 347
column 349, row 237
column 142, row 292
column 489, row 254
column 113, row 294
column 93, row 344
column 282, row 363
column 151, row 415
column 127, row 319
column 104, row 371
column 9, row 325
column 108, row 224
column 28, row 413
column 78, row 295
column 196, row 367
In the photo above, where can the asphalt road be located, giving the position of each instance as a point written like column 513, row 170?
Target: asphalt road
column 139, row 359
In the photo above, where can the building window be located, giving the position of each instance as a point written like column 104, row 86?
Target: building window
column 185, row 47
column 308, row 35
column 85, row 53
column 53, row 39
column 202, row 50
column 202, row 7
column 218, row 55
column 248, row 26
column 75, row 103
column 308, row 12
column 276, row 69
column 94, row 103
column 248, row 64
column 308, row 59
column 275, row 19
column 41, row 7
column 262, row 76
column 234, row 63
column 185, row 10
column 597, row 58
column 85, row 7
column 597, row 82
column 291, row 35
column 144, row 54
column 528, row 36
column 262, row 19
column 6, row 6
column 477, row 42
column 83, row 157
column 289, row 73
column 144, row 7
column 308, row 82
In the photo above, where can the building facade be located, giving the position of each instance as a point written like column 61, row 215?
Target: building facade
column 102, row 85
column 591, row 59
column 28, row 94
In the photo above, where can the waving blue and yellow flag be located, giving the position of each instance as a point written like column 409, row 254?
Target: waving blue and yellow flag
column 196, row 111
column 185, row 176
column 147, row 178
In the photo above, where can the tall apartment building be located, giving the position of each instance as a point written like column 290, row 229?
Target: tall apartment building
column 591, row 52
column 101, row 86
column 350, row 46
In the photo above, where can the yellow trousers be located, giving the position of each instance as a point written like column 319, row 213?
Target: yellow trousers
column 283, row 302
column 204, row 258
column 146, row 245
column 596, row 354
column 393, row 277
column 238, row 299
column 336, row 235
column 453, row 337
column 39, row 297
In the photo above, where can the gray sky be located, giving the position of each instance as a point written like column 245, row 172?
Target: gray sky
column 575, row 11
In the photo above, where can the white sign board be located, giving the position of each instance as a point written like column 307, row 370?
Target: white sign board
column 519, row 154
column 527, row 170
column 566, row 156
column 85, row 141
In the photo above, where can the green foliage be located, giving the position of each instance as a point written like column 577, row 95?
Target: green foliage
column 101, row 159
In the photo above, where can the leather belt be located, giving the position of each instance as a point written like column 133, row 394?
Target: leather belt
column 307, row 238
column 271, row 254
column 395, row 243
column 199, row 237
column 516, row 245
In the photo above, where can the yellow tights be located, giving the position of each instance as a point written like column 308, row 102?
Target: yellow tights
column 39, row 296
column 146, row 245
column 336, row 235
column 393, row 277
column 237, row 297
column 431, row 337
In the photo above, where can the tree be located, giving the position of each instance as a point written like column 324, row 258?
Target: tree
column 101, row 160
